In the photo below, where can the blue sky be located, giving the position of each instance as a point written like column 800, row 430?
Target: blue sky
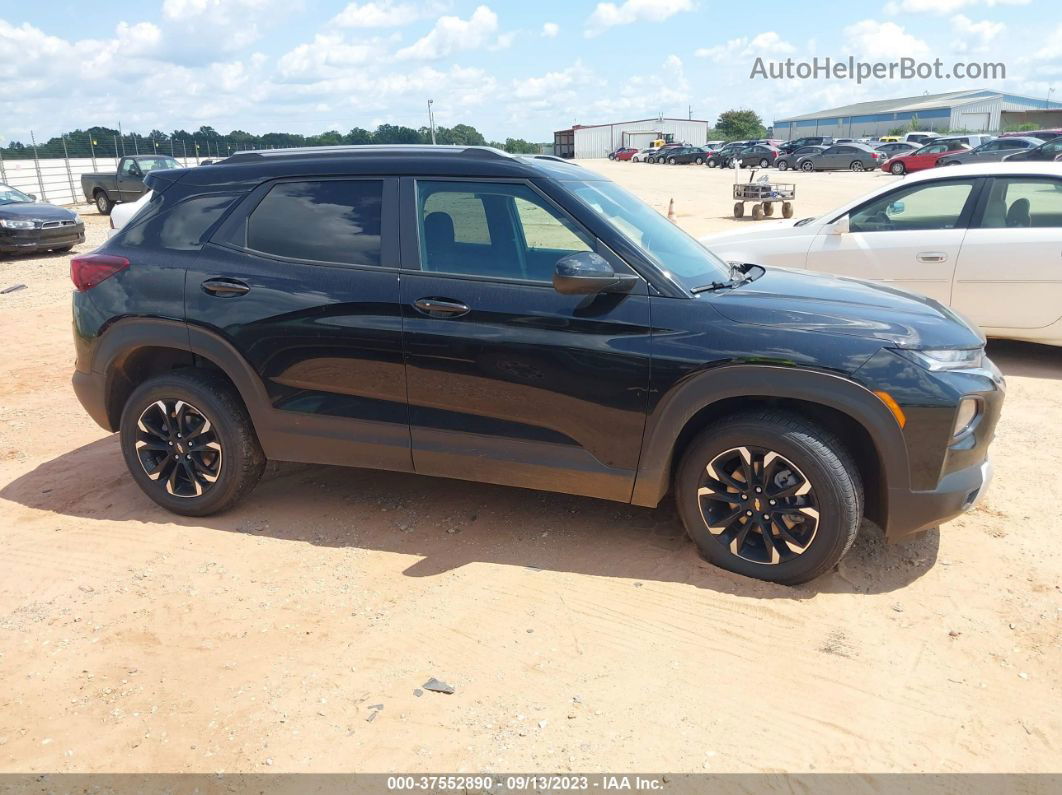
column 520, row 69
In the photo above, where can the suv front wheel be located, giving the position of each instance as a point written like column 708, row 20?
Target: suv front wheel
column 770, row 495
column 189, row 442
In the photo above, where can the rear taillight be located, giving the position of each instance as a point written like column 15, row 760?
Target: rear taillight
column 91, row 269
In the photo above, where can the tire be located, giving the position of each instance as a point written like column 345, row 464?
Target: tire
column 783, row 165
column 62, row 249
column 757, row 212
column 231, row 455
column 857, row 165
column 739, row 209
column 103, row 202
column 807, row 165
column 671, row 161
column 768, row 208
column 713, row 163
column 764, row 162
column 898, row 169
column 699, row 161
column 825, row 520
column 787, row 209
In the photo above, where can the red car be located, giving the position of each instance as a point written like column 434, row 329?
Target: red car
column 623, row 153
column 923, row 158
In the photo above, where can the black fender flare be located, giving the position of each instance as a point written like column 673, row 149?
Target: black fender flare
column 127, row 335
column 696, row 392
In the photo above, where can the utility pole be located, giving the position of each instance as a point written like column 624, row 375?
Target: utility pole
column 431, row 122
column 1047, row 105
column 690, row 116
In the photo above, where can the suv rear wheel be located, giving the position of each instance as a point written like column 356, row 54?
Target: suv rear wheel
column 770, row 495
column 189, row 443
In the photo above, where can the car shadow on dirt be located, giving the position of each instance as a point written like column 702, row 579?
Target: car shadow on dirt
column 1026, row 359
column 450, row 523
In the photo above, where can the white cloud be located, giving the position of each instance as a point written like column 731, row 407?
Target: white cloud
column 764, row 43
column 453, row 34
column 328, row 55
column 608, row 15
column 943, row 6
column 550, row 30
column 974, row 36
column 887, row 40
column 382, row 14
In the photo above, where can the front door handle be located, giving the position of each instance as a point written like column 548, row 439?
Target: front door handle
column 441, row 307
column 932, row 256
column 225, row 288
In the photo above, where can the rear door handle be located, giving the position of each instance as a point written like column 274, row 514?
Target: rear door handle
column 441, row 307
column 225, row 288
column 932, row 256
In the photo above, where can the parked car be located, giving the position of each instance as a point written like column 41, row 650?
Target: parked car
column 626, row 153
column 972, row 141
column 779, row 408
column 920, row 137
column 807, row 140
column 982, row 238
column 760, row 155
column 640, row 156
column 1043, row 135
column 126, row 185
column 1046, row 152
column 123, row 213
column 889, row 139
column 896, row 148
column 853, row 157
column 713, row 145
column 661, row 154
column 722, row 156
column 924, row 157
column 784, row 161
column 990, row 152
column 684, row 155
column 28, row 226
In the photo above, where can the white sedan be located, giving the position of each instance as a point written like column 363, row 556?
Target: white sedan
column 983, row 239
column 124, row 212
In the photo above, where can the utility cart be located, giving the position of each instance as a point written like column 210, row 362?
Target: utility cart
column 764, row 194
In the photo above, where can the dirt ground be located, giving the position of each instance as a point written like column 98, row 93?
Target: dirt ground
column 292, row 633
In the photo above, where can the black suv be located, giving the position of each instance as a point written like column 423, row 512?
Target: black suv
column 523, row 321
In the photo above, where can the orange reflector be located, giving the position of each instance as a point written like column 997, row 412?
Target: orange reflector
column 894, row 407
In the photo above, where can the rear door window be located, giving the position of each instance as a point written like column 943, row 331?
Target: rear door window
column 333, row 221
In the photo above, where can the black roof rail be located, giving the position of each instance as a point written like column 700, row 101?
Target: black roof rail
column 554, row 157
column 365, row 149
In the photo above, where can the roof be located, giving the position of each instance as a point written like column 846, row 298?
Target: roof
column 396, row 160
column 631, row 121
column 1017, row 169
column 899, row 105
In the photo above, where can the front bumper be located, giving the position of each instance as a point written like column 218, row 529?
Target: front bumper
column 13, row 241
column 911, row 512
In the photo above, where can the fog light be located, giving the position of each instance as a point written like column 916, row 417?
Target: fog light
column 967, row 413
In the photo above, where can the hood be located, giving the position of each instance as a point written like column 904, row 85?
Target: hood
column 35, row 211
column 776, row 228
column 805, row 301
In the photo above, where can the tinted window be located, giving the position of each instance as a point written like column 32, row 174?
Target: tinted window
column 177, row 225
column 498, row 229
column 934, row 206
column 323, row 221
column 1024, row 202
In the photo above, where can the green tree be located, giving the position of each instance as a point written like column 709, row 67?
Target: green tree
column 518, row 146
column 358, row 136
column 734, row 125
column 395, row 134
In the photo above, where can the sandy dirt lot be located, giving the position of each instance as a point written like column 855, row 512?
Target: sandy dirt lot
column 291, row 633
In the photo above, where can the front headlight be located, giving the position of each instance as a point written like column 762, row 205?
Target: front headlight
column 11, row 223
column 944, row 358
column 969, row 409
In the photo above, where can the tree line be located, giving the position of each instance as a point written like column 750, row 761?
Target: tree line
column 207, row 142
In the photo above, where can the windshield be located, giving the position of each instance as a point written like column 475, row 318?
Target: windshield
column 673, row 251
column 9, row 195
column 152, row 163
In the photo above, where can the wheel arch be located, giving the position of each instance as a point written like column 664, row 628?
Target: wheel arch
column 849, row 410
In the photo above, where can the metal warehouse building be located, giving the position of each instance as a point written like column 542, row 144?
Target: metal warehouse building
column 975, row 110
column 597, row 140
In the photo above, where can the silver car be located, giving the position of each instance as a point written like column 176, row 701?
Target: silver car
column 851, row 156
column 991, row 152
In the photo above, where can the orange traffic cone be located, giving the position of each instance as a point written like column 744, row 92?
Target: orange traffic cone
column 671, row 211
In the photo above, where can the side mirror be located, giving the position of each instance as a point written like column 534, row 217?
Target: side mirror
column 586, row 273
column 840, row 226
column 136, row 172
column 32, row 196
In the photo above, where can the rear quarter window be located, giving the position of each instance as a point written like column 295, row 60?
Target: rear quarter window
column 178, row 224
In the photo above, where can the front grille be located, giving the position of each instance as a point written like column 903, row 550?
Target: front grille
column 56, row 224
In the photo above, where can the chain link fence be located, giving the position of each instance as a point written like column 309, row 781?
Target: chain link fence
column 51, row 169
